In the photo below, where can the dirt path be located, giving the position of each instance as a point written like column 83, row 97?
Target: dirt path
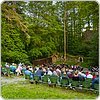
column 8, row 80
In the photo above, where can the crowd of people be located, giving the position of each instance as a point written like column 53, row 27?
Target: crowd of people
column 75, row 72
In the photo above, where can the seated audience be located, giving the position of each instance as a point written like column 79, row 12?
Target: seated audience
column 76, row 76
column 95, row 81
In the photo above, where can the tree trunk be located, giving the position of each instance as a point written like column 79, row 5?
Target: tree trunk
column 65, row 35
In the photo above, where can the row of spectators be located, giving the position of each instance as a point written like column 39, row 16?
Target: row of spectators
column 52, row 69
column 69, row 71
column 77, row 73
column 16, row 69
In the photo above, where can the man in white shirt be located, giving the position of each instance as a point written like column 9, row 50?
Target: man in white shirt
column 50, row 72
column 89, row 75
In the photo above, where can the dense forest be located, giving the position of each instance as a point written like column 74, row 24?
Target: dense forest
column 35, row 29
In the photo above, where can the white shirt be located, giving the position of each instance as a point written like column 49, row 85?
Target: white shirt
column 89, row 76
column 55, row 73
column 82, row 74
column 58, row 70
column 49, row 72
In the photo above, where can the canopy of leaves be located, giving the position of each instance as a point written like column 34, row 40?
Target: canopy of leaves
column 33, row 30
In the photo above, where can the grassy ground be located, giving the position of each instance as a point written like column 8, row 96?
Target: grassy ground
column 41, row 91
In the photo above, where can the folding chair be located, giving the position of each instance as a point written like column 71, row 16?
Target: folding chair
column 96, row 86
column 54, row 80
column 37, row 79
column 3, row 71
column 27, row 76
column 64, row 81
column 87, row 83
column 45, row 78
